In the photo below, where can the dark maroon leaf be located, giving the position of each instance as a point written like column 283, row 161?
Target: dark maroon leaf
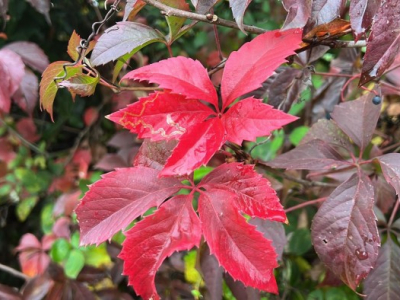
column 273, row 231
column 358, row 119
column 28, row 93
column 239, row 290
column 344, row 231
column 324, row 11
column 384, row 280
column 298, row 13
column 238, row 8
column 203, row 6
column 9, row 293
column 390, row 164
column 385, row 194
column 121, row 39
column 91, row 275
column 122, row 139
column 211, row 272
column 361, row 15
column 314, row 155
column 36, row 288
column 154, row 154
column 110, row 162
column 383, row 43
column 70, row 290
column 31, row 54
column 42, row 6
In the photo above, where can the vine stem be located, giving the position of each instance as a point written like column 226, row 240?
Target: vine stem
column 395, row 209
column 14, row 272
column 312, row 202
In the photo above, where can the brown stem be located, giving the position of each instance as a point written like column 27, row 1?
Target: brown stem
column 14, row 272
column 170, row 11
column 307, row 203
column 395, row 209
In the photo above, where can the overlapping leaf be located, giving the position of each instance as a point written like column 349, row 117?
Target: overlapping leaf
column 344, row 231
column 361, row 15
column 31, row 54
column 81, row 84
column 298, row 13
column 383, row 42
column 390, row 164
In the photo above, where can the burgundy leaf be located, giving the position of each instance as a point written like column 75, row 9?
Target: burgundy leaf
column 272, row 231
column 203, row 6
column 12, row 70
column 324, row 11
column 113, row 202
column 254, row 62
column 121, row 39
column 195, row 148
column 298, row 13
column 31, row 54
column 42, row 6
column 8, row 292
column 27, row 129
column 361, row 15
column 254, row 194
column 390, row 164
column 238, row 8
column 344, row 231
column 239, row 247
column 154, row 154
column 174, row 227
column 250, row 118
column 181, row 75
column 110, row 162
column 211, row 272
column 385, row 194
column 28, row 93
column 36, row 289
column 314, row 155
column 360, row 128
column 239, row 290
column 383, row 43
column 3, row 9
column 384, row 280
column 161, row 116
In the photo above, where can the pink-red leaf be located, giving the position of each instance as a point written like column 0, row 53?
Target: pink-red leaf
column 181, row 75
column 238, row 8
column 250, row 118
column 161, row 116
column 384, row 280
column 383, row 43
column 344, row 231
column 314, row 155
column 113, row 202
column 390, row 164
column 27, row 95
column 31, row 54
column 247, row 68
column 361, row 15
column 174, row 227
column 298, row 13
column 195, row 148
column 254, row 194
column 361, row 127
column 238, row 246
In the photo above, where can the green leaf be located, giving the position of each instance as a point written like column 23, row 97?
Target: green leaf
column 74, row 264
column 81, row 84
column 316, row 295
column 25, row 207
column 201, row 172
column 297, row 134
column 335, row 294
column 97, row 256
column 191, row 274
column 60, row 250
column 75, row 240
column 47, row 219
column 5, row 190
column 175, row 23
column 300, row 241
column 30, row 180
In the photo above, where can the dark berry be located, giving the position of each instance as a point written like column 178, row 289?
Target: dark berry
column 376, row 100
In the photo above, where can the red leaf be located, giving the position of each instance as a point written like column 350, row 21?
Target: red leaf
column 344, row 231
column 361, row 15
column 239, row 248
column 90, row 116
column 31, row 54
column 298, row 13
column 174, row 227
column 238, row 9
column 113, row 202
column 6, row 150
column 12, row 70
column 360, row 128
column 314, row 155
column 27, row 95
column 383, row 42
column 250, row 118
column 66, row 203
column 27, row 129
column 390, row 164
column 161, row 116
column 195, row 148
column 254, row 194
column 384, row 280
column 181, row 75
column 254, row 62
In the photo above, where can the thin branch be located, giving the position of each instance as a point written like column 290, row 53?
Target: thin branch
column 209, row 18
column 307, row 203
column 14, row 272
column 395, row 209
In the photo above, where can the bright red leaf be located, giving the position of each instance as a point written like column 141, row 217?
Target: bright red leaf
column 202, row 134
column 174, row 227
column 239, row 248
